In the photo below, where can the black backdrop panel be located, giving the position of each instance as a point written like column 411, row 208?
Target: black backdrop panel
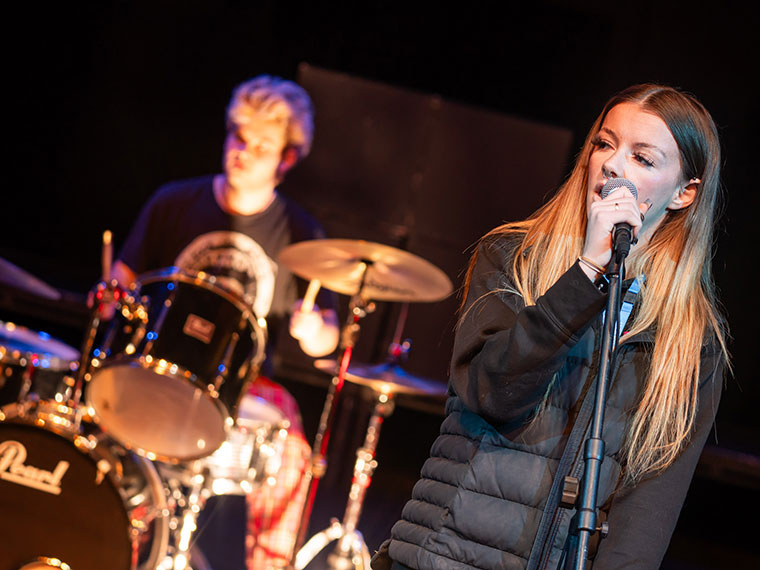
column 484, row 168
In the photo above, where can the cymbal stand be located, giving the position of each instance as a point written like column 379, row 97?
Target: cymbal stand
column 351, row 550
column 359, row 307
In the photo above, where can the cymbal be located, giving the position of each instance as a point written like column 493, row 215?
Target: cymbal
column 391, row 274
column 14, row 276
column 388, row 378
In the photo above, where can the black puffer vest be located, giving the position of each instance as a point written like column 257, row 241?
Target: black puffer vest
column 484, row 490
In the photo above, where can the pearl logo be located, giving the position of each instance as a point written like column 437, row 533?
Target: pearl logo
column 12, row 468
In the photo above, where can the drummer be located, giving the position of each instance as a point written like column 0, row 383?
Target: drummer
column 233, row 225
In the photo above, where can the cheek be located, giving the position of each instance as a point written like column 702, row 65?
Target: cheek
column 659, row 190
column 595, row 164
column 227, row 147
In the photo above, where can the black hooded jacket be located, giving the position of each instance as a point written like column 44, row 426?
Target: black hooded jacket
column 518, row 380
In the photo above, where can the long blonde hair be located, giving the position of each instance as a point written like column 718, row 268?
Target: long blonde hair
column 678, row 299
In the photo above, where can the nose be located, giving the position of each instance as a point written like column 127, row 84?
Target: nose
column 613, row 167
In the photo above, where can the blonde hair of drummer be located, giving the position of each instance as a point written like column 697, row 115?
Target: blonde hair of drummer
column 678, row 299
column 277, row 100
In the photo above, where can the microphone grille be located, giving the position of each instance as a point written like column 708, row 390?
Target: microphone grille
column 614, row 183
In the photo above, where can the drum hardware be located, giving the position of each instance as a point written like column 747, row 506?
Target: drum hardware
column 134, row 312
column 104, row 294
column 359, row 307
column 351, row 551
column 385, row 380
column 224, row 366
column 189, row 503
column 364, row 270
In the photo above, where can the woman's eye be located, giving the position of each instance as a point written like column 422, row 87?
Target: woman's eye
column 643, row 159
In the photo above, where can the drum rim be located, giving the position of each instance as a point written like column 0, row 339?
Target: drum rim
column 258, row 400
column 30, row 412
column 199, row 278
column 48, row 562
column 208, row 281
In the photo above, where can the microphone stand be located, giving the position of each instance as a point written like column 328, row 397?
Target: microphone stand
column 594, row 446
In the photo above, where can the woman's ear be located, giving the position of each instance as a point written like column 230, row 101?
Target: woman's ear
column 685, row 195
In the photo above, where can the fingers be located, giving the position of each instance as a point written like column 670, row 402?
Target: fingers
column 620, row 206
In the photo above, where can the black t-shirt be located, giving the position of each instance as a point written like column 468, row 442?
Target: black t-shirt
column 183, row 225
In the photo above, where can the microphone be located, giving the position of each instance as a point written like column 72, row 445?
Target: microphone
column 623, row 233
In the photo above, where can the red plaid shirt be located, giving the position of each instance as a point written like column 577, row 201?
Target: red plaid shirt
column 274, row 509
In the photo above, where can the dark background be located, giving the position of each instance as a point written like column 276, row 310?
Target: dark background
column 442, row 122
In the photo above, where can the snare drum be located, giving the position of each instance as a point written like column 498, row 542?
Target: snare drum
column 77, row 498
column 34, row 366
column 252, row 454
column 169, row 384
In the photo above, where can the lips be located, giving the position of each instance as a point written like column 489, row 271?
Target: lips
column 235, row 163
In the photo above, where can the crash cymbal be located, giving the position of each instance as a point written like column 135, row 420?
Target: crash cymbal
column 14, row 276
column 388, row 378
column 391, row 274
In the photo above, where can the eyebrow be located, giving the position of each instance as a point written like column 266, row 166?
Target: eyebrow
column 637, row 145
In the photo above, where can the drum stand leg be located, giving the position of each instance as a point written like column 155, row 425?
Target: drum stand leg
column 351, row 550
column 193, row 502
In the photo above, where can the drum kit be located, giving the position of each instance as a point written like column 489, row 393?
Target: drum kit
column 109, row 452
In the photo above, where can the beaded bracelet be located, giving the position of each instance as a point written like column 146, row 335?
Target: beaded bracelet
column 587, row 262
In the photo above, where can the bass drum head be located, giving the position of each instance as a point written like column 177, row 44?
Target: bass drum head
column 81, row 508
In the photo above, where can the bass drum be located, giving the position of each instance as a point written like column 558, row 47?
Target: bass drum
column 76, row 499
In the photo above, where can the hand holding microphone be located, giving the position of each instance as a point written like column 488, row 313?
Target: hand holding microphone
column 623, row 233
column 615, row 218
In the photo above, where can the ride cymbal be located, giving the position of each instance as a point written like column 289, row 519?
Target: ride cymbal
column 389, row 274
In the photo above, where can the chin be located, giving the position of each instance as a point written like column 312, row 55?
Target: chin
column 234, row 177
